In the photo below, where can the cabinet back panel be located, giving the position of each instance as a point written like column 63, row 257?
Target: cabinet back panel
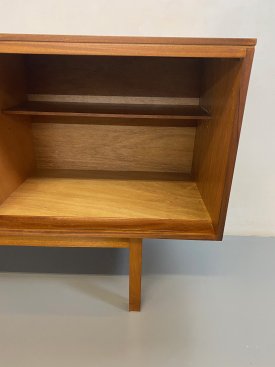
column 113, row 148
column 113, row 76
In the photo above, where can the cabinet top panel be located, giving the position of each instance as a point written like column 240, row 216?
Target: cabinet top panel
column 125, row 46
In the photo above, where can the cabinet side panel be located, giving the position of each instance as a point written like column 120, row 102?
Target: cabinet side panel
column 16, row 152
column 216, row 141
column 246, row 65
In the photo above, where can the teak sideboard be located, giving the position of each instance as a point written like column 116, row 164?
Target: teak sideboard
column 105, row 141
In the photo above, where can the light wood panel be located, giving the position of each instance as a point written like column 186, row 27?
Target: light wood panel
column 16, row 148
column 214, row 144
column 111, row 148
column 113, row 76
column 105, row 208
column 105, row 198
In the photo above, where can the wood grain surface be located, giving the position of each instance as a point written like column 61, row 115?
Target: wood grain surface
column 246, row 65
column 106, row 198
column 105, row 207
column 61, row 241
column 111, row 148
column 125, row 39
column 214, row 145
column 125, row 46
column 16, row 147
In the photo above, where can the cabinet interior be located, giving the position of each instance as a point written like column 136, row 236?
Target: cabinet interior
column 122, row 139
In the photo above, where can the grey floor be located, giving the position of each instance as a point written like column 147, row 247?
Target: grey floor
column 219, row 311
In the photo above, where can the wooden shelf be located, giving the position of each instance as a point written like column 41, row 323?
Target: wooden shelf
column 128, row 205
column 143, row 111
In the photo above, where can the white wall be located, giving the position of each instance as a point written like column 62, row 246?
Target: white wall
column 252, row 204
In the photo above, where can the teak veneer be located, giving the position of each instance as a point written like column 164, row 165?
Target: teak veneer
column 105, row 141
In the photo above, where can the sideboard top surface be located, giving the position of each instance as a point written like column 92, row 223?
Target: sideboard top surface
column 125, row 46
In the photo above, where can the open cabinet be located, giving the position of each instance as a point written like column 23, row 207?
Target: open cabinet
column 105, row 141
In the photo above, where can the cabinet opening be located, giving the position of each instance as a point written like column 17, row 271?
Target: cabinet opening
column 98, row 143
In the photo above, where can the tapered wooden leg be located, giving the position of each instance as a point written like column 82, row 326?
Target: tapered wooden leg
column 135, row 269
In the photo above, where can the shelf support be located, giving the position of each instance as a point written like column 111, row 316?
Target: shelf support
column 135, row 270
